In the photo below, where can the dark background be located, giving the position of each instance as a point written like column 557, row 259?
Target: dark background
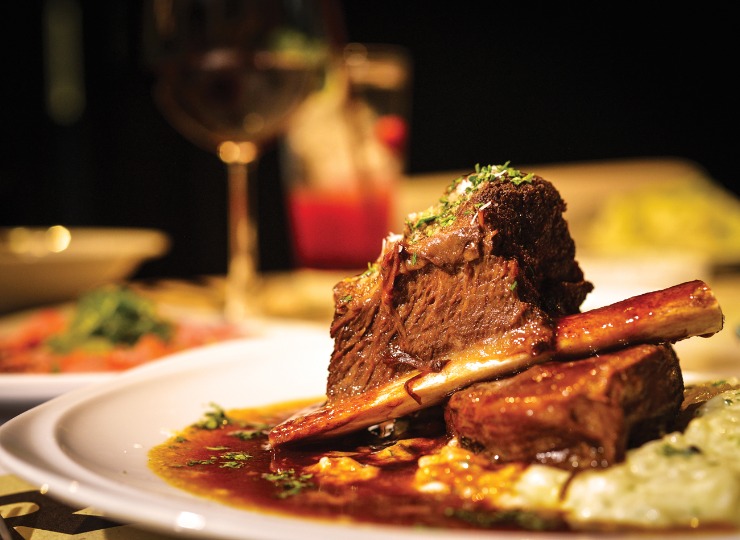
column 531, row 85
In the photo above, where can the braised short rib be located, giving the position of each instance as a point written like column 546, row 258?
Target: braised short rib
column 483, row 285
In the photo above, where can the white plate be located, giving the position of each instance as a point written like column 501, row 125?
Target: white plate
column 22, row 391
column 89, row 446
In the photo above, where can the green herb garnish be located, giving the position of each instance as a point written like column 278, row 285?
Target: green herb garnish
column 289, row 482
column 251, row 431
column 233, row 460
column 110, row 316
column 214, row 419
column 226, row 460
column 429, row 221
column 193, row 462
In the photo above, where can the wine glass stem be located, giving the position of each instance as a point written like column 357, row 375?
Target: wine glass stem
column 243, row 256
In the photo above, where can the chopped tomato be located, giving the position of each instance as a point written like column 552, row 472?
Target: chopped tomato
column 26, row 350
column 147, row 348
column 80, row 361
column 39, row 327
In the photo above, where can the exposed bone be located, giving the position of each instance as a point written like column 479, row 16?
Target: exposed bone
column 668, row 315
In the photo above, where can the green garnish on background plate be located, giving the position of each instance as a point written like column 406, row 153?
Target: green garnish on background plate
column 110, row 316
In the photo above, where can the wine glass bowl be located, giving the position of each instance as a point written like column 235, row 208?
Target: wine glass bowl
column 220, row 95
column 228, row 76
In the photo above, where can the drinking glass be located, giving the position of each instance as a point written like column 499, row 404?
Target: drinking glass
column 228, row 74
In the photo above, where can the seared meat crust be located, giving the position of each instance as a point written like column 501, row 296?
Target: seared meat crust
column 578, row 414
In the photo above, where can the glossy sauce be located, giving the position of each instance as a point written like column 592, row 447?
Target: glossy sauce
column 415, row 476
column 201, row 461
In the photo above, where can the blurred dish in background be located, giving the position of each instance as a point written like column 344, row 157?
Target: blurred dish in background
column 111, row 328
column 343, row 157
column 619, row 276
column 46, row 265
column 694, row 215
column 48, row 351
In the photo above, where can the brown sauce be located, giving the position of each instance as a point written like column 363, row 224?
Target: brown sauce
column 212, row 463
column 230, row 461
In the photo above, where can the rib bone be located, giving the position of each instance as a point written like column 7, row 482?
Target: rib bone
column 668, row 315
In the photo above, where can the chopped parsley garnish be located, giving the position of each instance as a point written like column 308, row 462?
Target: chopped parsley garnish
column 491, row 173
column 251, row 431
column 226, row 460
column 289, row 482
column 441, row 215
column 233, row 460
column 214, row 419
column 210, row 461
column 231, row 465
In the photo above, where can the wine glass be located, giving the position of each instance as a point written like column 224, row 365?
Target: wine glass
column 228, row 75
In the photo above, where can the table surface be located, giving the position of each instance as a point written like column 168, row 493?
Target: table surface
column 306, row 295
